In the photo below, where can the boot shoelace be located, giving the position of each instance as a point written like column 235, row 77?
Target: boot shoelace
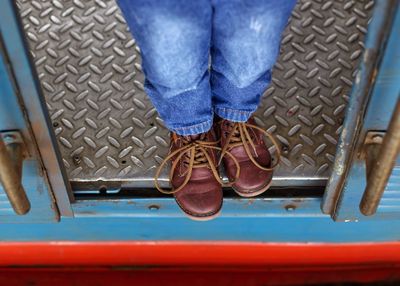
column 194, row 154
column 239, row 135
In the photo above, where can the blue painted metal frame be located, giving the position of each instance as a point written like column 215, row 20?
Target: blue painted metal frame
column 380, row 108
column 28, row 91
column 265, row 220
column 43, row 208
column 241, row 220
column 375, row 44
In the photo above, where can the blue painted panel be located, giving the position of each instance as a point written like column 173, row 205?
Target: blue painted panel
column 391, row 198
column 162, row 208
column 241, row 220
column 387, row 86
column 8, row 120
column 42, row 206
column 389, row 207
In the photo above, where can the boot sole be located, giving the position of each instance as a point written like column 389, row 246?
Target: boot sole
column 200, row 218
column 253, row 194
column 205, row 218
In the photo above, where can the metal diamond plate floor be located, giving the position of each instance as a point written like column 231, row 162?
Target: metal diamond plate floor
column 107, row 129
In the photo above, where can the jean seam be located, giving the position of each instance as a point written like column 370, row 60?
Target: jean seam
column 192, row 126
column 234, row 110
column 197, row 128
column 233, row 114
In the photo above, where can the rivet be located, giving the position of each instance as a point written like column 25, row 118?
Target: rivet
column 154, row 208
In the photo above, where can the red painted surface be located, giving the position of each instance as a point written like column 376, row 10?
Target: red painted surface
column 195, row 263
column 263, row 276
column 196, row 254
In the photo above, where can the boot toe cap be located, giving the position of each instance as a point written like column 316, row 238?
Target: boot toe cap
column 200, row 199
column 252, row 180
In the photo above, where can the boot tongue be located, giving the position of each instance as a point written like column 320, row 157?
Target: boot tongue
column 191, row 138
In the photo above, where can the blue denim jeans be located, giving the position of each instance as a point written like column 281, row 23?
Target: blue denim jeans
column 206, row 57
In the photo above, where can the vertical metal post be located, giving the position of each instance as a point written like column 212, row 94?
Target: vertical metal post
column 379, row 174
column 11, row 174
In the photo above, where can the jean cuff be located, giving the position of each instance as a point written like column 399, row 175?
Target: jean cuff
column 193, row 129
column 233, row 114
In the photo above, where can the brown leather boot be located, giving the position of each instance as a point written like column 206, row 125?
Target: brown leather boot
column 194, row 177
column 245, row 141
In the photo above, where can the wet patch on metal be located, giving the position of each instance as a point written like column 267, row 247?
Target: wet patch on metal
column 108, row 131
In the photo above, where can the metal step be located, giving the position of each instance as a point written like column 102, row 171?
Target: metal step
column 110, row 134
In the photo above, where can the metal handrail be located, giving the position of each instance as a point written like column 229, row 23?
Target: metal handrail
column 11, row 174
column 381, row 169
